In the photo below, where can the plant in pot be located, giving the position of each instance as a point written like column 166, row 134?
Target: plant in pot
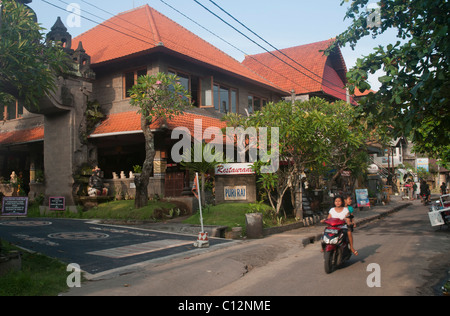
column 137, row 169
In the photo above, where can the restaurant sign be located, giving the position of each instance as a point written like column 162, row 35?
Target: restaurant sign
column 234, row 169
column 235, row 193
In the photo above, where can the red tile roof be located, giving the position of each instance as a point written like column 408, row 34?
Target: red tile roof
column 144, row 29
column 358, row 93
column 311, row 72
column 22, row 136
column 130, row 122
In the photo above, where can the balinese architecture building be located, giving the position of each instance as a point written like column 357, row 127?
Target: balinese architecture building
column 89, row 121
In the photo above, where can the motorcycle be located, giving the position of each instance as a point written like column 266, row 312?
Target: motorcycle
column 335, row 245
column 426, row 199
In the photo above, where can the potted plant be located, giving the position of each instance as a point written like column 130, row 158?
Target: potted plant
column 137, row 169
column 372, row 197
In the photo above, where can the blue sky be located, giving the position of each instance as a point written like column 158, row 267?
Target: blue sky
column 282, row 23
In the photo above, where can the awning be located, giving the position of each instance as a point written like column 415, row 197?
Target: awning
column 22, row 136
column 127, row 123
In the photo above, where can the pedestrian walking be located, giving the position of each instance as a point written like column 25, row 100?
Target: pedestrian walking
column 443, row 188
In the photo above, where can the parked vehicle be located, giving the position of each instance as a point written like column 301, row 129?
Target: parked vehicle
column 335, row 244
column 440, row 211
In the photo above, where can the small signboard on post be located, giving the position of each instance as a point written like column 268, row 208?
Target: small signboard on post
column 362, row 198
column 57, row 203
column 15, row 206
column 235, row 193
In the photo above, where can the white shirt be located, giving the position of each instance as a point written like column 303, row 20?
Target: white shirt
column 342, row 215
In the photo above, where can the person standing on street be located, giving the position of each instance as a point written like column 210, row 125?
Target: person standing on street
column 443, row 188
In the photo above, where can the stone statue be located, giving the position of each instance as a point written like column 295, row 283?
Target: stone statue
column 96, row 187
column 13, row 177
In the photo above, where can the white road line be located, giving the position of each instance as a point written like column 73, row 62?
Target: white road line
column 139, row 249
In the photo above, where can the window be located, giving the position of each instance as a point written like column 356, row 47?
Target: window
column 11, row 111
column 225, row 99
column 189, row 83
column 255, row 104
column 206, row 91
column 130, row 79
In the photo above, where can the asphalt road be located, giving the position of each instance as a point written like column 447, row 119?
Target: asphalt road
column 412, row 259
column 97, row 249
column 399, row 255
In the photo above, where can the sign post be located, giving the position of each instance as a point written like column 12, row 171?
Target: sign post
column 202, row 240
column 362, row 198
column 15, row 206
column 57, row 203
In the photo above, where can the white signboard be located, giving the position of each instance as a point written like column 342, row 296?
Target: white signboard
column 237, row 193
column 234, row 169
column 373, row 168
column 422, row 163
column 436, row 218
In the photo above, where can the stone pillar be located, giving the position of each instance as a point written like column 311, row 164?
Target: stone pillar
column 254, row 223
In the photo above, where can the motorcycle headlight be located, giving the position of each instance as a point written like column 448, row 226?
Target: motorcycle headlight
column 330, row 241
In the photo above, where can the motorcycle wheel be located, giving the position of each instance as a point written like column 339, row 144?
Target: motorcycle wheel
column 329, row 257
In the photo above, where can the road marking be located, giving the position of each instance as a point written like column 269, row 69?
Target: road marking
column 79, row 236
column 139, row 249
column 25, row 223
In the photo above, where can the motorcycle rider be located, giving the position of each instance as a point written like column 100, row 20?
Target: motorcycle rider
column 425, row 191
column 341, row 212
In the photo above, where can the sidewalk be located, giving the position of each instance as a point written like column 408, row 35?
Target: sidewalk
column 313, row 233
column 362, row 217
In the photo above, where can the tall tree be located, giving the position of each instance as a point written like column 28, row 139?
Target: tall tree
column 27, row 66
column 415, row 87
column 159, row 97
column 311, row 134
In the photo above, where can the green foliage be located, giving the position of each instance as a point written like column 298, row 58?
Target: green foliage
column 313, row 135
column 27, row 65
column 137, row 169
column 160, row 96
column 414, row 95
column 39, row 276
column 93, row 115
column 201, row 158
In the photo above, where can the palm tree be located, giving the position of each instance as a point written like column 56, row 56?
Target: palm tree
column 201, row 158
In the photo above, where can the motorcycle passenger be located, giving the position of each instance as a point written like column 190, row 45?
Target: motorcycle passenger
column 341, row 212
column 348, row 204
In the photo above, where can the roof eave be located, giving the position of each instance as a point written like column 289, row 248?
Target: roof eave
column 163, row 49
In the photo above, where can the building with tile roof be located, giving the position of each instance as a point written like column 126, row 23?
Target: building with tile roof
column 107, row 62
column 304, row 70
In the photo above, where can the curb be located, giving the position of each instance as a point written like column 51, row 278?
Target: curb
column 312, row 239
column 382, row 215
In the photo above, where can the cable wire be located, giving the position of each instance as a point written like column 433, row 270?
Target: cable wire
column 251, row 31
column 271, row 53
column 237, row 48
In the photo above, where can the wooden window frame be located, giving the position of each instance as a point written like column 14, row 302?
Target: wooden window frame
column 263, row 101
column 230, row 89
column 17, row 115
column 211, row 91
column 135, row 71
